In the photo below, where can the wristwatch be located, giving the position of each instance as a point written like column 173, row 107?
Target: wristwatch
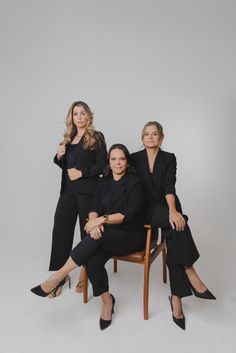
column 106, row 218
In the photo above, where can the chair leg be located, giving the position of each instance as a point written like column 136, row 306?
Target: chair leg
column 164, row 265
column 146, row 290
column 115, row 265
column 85, row 293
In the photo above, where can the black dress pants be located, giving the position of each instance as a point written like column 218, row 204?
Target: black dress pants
column 181, row 250
column 69, row 206
column 95, row 253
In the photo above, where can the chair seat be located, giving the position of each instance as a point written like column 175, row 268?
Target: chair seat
column 137, row 256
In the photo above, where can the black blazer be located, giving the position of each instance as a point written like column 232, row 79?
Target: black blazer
column 162, row 181
column 90, row 162
column 128, row 201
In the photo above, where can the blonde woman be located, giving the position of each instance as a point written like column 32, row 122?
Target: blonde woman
column 157, row 170
column 82, row 156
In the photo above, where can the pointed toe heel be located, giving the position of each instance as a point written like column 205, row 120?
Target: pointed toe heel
column 106, row 323
column 41, row 293
column 178, row 322
column 203, row 295
column 38, row 291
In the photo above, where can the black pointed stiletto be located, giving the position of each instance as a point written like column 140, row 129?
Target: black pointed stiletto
column 40, row 292
column 203, row 295
column 179, row 322
column 105, row 323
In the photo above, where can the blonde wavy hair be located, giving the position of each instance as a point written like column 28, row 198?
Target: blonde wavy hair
column 90, row 136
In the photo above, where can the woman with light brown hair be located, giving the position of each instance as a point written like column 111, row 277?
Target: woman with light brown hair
column 81, row 156
column 157, row 170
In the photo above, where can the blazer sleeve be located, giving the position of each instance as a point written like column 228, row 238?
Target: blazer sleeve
column 59, row 162
column 134, row 203
column 100, row 161
column 169, row 177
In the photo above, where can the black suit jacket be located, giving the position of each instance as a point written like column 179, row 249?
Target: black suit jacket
column 161, row 182
column 128, row 201
column 90, row 162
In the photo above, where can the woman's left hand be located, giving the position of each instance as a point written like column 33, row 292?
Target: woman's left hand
column 177, row 221
column 96, row 222
column 74, row 174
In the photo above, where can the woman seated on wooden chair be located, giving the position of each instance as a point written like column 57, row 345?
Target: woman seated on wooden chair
column 157, row 169
column 115, row 227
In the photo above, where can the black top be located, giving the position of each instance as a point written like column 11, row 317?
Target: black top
column 90, row 162
column 125, row 196
column 111, row 193
column 71, row 155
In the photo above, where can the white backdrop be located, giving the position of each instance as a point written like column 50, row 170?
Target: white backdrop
column 131, row 61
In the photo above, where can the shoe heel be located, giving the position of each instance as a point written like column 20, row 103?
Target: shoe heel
column 69, row 281
column 113, row 303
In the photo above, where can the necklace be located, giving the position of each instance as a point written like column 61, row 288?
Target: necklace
column 78, row 136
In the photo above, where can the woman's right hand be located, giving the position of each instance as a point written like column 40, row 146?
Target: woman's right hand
column 96, row 232
column 177, row 221
column 61, row 150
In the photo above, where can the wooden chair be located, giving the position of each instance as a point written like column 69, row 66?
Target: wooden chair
column 145, row 258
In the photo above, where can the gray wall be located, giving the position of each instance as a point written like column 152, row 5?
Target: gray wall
column 131, row 61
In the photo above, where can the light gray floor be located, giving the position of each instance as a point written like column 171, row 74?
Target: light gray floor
column 65, row 324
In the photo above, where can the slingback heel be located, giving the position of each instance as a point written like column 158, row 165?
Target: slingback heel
column 178, row 322
column 40, row 292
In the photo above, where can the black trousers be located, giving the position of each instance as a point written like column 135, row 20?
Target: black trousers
column 95, row 253
column 181, row 249
column 69, row 206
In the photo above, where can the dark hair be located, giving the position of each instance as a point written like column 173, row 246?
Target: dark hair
column 124, row 149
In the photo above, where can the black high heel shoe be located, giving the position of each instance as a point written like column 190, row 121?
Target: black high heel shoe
column 40, row 292
column 203, row 295
column 105, row 323
column 179, row 322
